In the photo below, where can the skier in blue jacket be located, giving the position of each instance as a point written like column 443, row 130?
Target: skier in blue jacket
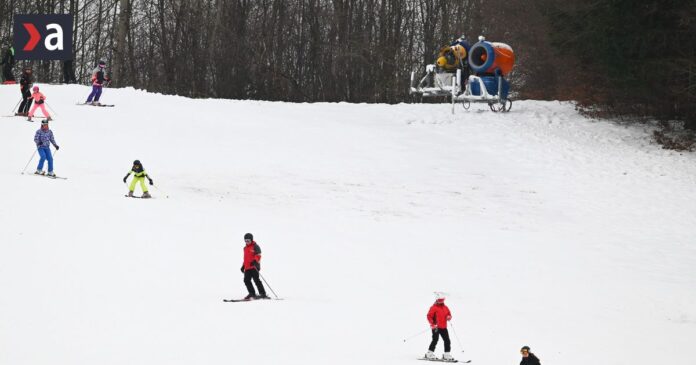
column 43, row 139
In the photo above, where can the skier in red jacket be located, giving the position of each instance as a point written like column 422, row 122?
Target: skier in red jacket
column 251, row 267
column 438, row 315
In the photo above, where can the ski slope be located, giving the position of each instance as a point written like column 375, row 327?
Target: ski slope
column 576, row 237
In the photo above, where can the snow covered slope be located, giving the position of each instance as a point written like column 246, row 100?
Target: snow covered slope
column 572, row 236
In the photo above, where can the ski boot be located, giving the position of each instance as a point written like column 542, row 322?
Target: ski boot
column 146, row 195
column 18, row 114
column 130, row 194
column 95, row 103
column 29, row 119
column 262, row 296
column 51, row 174
column 447, row 357
column 49, row 119
column 250, row 297
column 39, row 172
column 430, row 356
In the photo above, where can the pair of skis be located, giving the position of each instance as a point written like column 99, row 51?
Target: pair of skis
column 249, row 300
column 137, row 197
column 23, row 116
column 99, row 105
column 54, row 177
column 443, row 360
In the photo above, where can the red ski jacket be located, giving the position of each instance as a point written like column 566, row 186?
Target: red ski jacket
column 252, row 252
column 438, row 315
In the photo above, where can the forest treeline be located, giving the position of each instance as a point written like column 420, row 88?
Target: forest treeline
column 620, row 57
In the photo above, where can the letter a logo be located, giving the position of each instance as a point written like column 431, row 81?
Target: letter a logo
column 57, row 37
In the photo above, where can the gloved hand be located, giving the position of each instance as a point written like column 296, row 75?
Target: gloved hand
column 40, row 101
column 449, row 318
column 256, row 264
column 242, row 268
column 151, row 183
column 433, row 327
column 57, row 148
column 124, row 179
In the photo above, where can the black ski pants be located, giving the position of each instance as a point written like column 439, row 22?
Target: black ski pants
column 437, row 332
column 253, row 274
column 26, row 102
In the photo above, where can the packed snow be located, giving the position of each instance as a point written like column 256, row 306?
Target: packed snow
column 574, row 236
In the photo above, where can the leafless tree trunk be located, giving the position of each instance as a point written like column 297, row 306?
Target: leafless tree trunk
column 119, row 66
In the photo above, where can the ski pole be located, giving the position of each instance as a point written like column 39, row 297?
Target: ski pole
column 160, row 190
column 269, row 287
column 52, row 111
column 457, row 337
column 27, row 165
column 416, row 335
column 15, row 107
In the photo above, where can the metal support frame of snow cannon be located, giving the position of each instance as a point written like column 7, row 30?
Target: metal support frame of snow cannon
column 495, row 102
column 433, row 84
column 447, row 85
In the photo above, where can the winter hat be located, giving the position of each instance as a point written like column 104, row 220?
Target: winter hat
column 248, row 236
column 35, row 88
column 137, row 162
column 44, row 122
column 525, row 348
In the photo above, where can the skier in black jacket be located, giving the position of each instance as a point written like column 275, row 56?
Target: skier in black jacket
column 528, row 358
column 8, row 61
column 25, row 83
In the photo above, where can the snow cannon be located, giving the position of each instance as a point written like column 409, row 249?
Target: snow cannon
column 491, row 58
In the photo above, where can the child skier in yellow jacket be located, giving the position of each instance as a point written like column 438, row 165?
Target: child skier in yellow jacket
column 139, row 176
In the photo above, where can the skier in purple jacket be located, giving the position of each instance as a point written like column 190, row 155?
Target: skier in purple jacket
column 43, row 139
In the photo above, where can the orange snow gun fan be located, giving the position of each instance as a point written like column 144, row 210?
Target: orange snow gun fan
column 491, row 58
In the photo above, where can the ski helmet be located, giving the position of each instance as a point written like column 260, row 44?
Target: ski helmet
column 102, row 64
column 524, row 349
column 136, row 162
column 248, row 236
column 35, row 88
column 44, row 122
